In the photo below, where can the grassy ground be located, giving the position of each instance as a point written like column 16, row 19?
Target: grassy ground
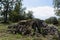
column 5, row 36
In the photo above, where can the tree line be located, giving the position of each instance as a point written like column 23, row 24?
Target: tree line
column 12, row 10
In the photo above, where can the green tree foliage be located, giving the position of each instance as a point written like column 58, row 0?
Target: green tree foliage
column 56, row 3
column 14, row 15
column 18, row 13
column 57, row 7
column 30, row 15
column 7, row 6
column 13, row 10
column 52, row 20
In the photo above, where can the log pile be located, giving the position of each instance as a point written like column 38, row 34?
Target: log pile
column 32, row 27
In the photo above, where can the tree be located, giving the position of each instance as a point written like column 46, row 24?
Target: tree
column 13, row 16
column 30, row 15
column 7, row 6
column 52, row 20
column 18, row 13
column 57, row 7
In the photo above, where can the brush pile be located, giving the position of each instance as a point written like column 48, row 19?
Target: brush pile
column 33, row 27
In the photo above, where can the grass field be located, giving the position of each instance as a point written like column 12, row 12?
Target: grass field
column 6, row 36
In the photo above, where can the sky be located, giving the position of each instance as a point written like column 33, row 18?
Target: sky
column 42, row 9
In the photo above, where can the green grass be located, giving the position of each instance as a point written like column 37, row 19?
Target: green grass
column 5, row 36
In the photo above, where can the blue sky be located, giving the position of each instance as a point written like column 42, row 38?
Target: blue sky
column 42, row 9
column 35, row 3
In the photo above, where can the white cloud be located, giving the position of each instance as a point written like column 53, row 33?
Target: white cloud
column 42, row 12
